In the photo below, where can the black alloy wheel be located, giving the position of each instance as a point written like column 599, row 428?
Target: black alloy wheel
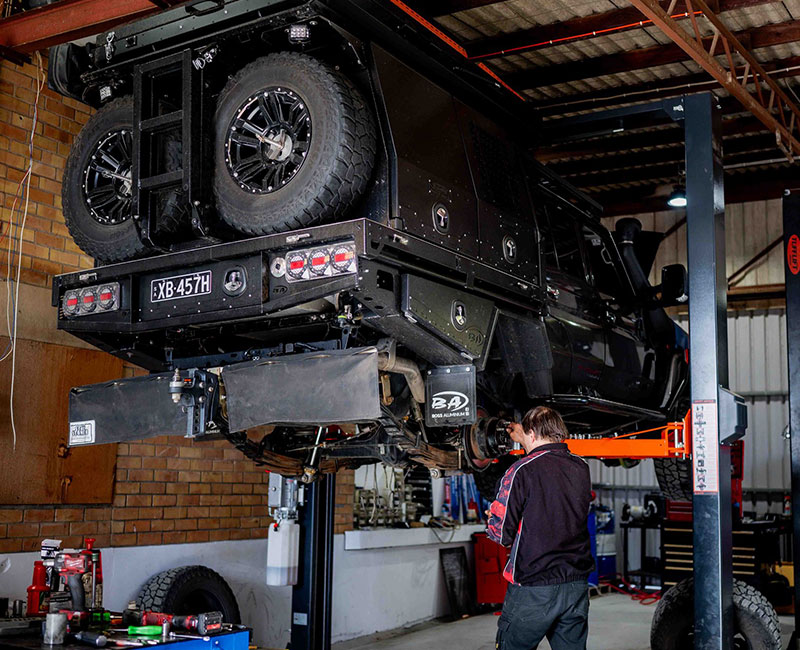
column 268, row 140
column 97, row 189
column 107, row 178
column 294, row 145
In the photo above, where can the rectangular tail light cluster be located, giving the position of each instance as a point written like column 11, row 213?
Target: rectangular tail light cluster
column 97, row 299
column 320, row 262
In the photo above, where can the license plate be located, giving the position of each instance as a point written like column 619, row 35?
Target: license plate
column 180, row 286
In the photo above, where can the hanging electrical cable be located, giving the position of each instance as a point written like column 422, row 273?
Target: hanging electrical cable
column 15, row 234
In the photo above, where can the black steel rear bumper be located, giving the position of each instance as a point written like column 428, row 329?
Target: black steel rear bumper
column 406, row 287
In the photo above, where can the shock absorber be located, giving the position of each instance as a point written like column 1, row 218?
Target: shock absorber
column 310, row 468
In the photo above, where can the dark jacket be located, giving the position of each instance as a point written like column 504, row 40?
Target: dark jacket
column 541, row 510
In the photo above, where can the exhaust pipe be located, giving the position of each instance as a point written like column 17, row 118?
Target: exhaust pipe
column 390, row 362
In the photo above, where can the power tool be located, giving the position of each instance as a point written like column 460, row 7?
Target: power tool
column 206, row 623
column 72, row 566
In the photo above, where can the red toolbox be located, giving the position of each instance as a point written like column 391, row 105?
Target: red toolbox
column 490, row 560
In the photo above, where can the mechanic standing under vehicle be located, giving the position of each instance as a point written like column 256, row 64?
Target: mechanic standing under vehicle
column 541, row 511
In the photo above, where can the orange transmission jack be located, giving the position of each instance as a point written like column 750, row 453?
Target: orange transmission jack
column 674, row 441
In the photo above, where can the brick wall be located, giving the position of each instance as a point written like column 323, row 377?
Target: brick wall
column 167, row 490
column 345, row 499
column 47, row 249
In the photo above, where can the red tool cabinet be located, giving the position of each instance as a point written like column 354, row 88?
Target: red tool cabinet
column 490, row 560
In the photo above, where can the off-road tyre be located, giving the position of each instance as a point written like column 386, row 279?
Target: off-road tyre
column 755, row 620
column 189, row 590
column 121, row 241
column 487, row 480
column 341, row 153
column 674, row 476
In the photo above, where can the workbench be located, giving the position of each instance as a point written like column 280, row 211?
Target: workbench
column 236, row 640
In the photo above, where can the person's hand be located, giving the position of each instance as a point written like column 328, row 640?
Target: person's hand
column 514, row 427
column 515, row 431
column 487, row 512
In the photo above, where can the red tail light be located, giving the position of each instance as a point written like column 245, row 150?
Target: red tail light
column 321, row 262
column 91, row 300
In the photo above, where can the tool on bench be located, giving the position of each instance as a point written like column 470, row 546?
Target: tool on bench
column 205, row 623
column 39, row 591
column 82, row 570
column 18, row 625
column 96, row 582
column 91, row 638
column 55, row 628
column 140, row 630
column 172, row 635
column 136, row 644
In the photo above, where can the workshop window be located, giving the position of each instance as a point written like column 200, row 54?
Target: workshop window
column 564, row 234
column 602, row 271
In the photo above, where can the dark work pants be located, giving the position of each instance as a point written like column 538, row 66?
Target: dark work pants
column 558, row 612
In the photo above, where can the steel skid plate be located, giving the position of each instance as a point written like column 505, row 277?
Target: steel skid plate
column 304, row 389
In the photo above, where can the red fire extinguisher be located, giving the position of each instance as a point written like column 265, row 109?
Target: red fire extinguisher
column 39, row 591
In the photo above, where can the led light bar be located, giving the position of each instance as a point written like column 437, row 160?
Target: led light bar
column 320, row 262
column 97, row 299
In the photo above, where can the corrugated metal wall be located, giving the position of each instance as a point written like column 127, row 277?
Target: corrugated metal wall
column 749, row 228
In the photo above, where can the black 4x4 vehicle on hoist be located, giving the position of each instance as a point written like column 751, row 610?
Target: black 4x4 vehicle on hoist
column 323, row 234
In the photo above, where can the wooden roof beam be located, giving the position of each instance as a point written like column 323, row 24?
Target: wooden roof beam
column 445, row 7
column 626, row 141
column 648, row 167
column 68, row 20
column 733, row 149
column 760, row 185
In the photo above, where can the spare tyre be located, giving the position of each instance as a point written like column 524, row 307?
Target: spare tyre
column 674, row 476
column 96, row 190
column 189, row 590
column 294, row 145
column 756, row 625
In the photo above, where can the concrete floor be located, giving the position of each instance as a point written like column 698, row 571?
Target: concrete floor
column 615, row 623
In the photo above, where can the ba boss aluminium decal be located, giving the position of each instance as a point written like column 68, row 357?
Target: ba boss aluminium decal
column 81, row 433
column 450, row 396
column 448, row 404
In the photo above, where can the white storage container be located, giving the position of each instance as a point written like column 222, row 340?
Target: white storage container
column 283, row 553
